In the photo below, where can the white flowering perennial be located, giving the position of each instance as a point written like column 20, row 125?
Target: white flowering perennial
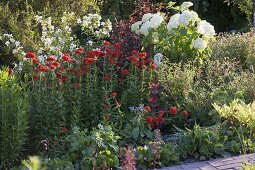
column 206, row 29
column 56, row 39
column 14, row 45
column 92, row 24
column 199, row 43
column 148, row 22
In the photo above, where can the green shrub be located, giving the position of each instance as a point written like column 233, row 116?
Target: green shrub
column 195, row 89
column 202, row 142
column 235, row 47
column 13, row 118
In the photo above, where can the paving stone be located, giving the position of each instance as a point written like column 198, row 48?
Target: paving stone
column 233, row 163
column 173, row 168
column 229, row 166
column 224, row 162
column 195, row 165
column 208, row 167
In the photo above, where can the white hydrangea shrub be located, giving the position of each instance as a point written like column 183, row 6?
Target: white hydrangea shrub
column 183, row 36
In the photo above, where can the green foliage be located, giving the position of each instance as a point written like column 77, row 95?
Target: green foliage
column 98, row 149
column 202, row 142
column 157, row 154
column 13, row 118
column 240, row 119
column 136, row 130
column 33, row 163
column 248, row 166
column 235, row 47
column 195, row 89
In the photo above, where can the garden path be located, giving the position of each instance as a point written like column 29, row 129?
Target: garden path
column 231, row 163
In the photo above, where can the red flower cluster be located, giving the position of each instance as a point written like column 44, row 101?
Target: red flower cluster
column 141, row 60
column 155, row 121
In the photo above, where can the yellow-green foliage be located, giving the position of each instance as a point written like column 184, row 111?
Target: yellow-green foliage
column 238, row 113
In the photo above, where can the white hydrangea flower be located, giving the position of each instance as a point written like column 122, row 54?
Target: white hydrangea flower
column 156, row 20
column 206, row 29
column 186, row 5
column 173, row 22
column 158, row 59
column 136, row 26
column 145, row 28
column 195, row 16
column 146, row 17
column 199, row 43
column 185, row 17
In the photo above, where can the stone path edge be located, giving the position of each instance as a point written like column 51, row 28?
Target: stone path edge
column 230, row 163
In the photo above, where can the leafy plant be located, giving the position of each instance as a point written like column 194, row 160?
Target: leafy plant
column 98, row 149
column 240, row 119
column 202, row 142
column 13, row 118
column 156, row 154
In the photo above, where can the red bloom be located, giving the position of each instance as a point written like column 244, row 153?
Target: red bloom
column 30, row 55
column 88, row 60
column 79, row 51
column 64, row 129
column 117, row 45
column 10, row 71
column 147, row 108
column 185, row 114
column 173, row 110
column 153, row 66
column 35, row 77
column 66, row 58
column 112, row 60
column 148, row 60
column 158, row 120
column 98, row 53
column 107, row 78
column 149, row 119
column 109, row 51
column 124, row 72
column 51, row 58
column 42, row 68
column 133, row 59
column 114, row 94
column 143, row 55
column 56, row 63
column 134, row 52
column 52, row 67
column 35, row 60
column 91, row 53
column 106, row 43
